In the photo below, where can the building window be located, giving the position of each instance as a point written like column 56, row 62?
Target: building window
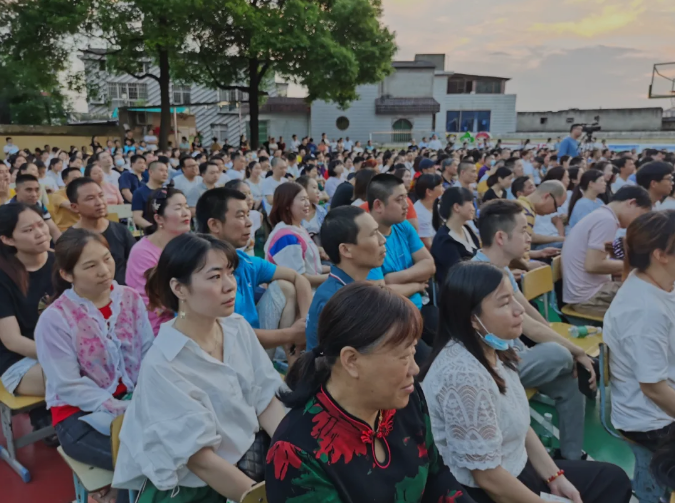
column 543, row 120
column 459, row 86
column 488, row 87
column 219, row 131
column 473, row 121
column 402, row 129
column 570, row 120
column 342, row 123
column 101, row 65
column 181, row 95
column 121, row 94
column 232, row 97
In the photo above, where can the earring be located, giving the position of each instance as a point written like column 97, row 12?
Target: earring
column 181, row 312
column 161, row 226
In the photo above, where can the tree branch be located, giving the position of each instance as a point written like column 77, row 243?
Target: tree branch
column 218, row 83
column 263, row 70
column 144, row 76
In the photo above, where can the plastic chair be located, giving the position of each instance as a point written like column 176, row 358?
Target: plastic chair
column 256, row 494
column 10, row 406
column 538, row 283
column 568, row 311
column 645, row 486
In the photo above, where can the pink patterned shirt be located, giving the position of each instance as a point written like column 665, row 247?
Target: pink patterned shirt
column 84, row 356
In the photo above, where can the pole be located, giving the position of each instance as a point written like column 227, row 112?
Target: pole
column 175, row 127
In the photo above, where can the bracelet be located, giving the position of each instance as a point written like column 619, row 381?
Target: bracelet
column 551, row 479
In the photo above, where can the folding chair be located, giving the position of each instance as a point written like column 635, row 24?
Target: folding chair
column 645, row 486
column 538, row 283
column 567, row 310
column 256, row 494
column 10, row 406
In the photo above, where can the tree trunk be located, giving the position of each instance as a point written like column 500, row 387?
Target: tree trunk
column 165, row 99
column 253, row 104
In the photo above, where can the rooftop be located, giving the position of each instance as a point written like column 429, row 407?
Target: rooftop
column 412, row 64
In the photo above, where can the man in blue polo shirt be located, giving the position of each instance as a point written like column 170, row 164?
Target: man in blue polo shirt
column 570, row 145
column 279, row 317
column 352, row 241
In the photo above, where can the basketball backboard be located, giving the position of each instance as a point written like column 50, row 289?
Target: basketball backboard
column 663, row 81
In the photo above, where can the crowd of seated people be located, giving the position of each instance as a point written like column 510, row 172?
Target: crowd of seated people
column 353, row 268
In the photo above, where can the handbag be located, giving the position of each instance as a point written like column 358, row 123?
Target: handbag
column 252, row 463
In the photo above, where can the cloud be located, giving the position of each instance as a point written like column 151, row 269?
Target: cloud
column 610, row 19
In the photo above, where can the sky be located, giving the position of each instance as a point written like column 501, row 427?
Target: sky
column 559, row 54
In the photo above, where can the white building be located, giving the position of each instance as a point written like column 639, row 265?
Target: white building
column 419, row 98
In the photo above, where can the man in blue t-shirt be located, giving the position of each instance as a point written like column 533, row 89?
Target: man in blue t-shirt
column 158, row 172
column 352, row 240
column 279, row 317
column 130, row 180
column 570, row 145
column 408, row 266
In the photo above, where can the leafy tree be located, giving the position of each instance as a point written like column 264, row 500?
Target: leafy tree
column 44, row 33
column 328, row 46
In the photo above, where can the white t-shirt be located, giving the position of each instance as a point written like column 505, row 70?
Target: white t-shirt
column 112, row 178
column 184, row 185
column 424, row 216
column 10, row 149
column 435, row 145
column 223, row 179
column 639, row 329
column 348, row 145
column 620, row 182
column 269, row 185
column 233, row 174
column 294, row 145
column 668, row 204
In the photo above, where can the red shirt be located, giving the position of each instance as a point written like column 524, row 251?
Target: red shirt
column 65, row 411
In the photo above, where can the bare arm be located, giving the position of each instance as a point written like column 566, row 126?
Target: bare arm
column 272, row 416
column 316, row 280
column 10, row 335
column 408, row 289
column 303, row 288
column 140, row 222
column 661, row 394
column 223, row 477
column 597, row 262
column 421, row 272
column 559, row 225
column 53, row 229
column 127, row 195
column 427, row 243
column 540, row 239
column 270, row 199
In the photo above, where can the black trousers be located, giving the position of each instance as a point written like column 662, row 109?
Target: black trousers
column 596, row 482
column 649, row 439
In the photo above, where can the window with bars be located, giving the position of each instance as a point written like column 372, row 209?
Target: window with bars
column 181, row 95
column 125, row 94
column 233, row 97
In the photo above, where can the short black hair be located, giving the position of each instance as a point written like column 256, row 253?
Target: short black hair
column 654, row 171
column 21, row 179
column 203, row 167
column 74, row 187
column 213, row 204
column 518, row 185
column 575, row 126
column 426, row 182
column 381, row 187
column 628, row 192
column 621, row 162
column 135, row 158
column 497, row 215
column 339, row 227
column 66, row 172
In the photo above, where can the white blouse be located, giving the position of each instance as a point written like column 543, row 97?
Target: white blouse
column 476, row 427
column 186, row 400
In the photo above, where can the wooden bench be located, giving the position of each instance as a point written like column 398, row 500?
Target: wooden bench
column 10, row 406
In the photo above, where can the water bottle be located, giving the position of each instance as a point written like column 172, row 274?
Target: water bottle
column 581, row 332
column 547, row 436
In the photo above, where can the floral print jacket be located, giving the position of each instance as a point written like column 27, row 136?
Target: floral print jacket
column 321, row 453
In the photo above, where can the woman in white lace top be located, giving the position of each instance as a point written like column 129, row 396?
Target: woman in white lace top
column 478, row 407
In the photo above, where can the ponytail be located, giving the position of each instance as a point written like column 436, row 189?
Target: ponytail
column 306, row 376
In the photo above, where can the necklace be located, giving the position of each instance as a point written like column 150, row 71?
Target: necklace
column 216, row 343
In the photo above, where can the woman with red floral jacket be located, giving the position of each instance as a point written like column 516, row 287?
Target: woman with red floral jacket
column 359, row 429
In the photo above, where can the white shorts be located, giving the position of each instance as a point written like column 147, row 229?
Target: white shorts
column 13, row 375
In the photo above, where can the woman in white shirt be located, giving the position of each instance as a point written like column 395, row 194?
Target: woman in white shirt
column 428, row 189
column 479, row 411
column 640, row 332
column 206, row 386
column 335, row 169
column 254, row 180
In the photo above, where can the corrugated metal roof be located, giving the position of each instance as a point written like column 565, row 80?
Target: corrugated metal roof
column 406, row 105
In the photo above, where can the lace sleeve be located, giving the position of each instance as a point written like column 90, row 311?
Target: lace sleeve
column 468, row 401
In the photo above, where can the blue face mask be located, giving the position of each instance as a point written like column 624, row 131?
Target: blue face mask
column 493, row 162
column 492, row 340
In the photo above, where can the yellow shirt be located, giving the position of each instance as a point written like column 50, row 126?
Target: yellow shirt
column 530, row 216
column 64, row 218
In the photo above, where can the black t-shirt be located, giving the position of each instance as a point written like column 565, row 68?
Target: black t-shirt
column 490, row 195
column 447, row 251
column 343, row 195
column 120, row 241
column 23, row 307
